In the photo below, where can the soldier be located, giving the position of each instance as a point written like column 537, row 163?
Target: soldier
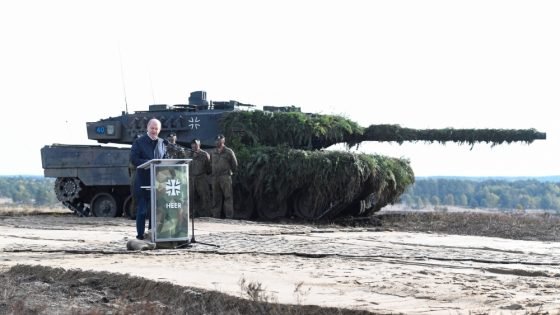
column 172, row 138
column 174, row 150
column 199, row 188
column 224, row 164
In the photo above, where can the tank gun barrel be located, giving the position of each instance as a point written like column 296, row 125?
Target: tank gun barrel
column 299, row 130
column 396, row 133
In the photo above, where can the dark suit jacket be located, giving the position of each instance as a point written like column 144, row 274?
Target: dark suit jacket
column 142, row 151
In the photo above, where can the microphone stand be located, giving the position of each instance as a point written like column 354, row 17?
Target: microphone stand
column 194, row 241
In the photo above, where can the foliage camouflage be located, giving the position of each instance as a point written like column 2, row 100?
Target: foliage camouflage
column 396, row 133
column 277, row 182
column 307, row 131
column 278, row 178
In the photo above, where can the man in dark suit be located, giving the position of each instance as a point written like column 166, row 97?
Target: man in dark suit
column 145, row 148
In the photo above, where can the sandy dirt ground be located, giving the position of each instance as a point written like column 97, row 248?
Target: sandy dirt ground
column 358, row 268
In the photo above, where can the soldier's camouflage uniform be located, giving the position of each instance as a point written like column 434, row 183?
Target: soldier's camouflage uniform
column 176, row 151
column 224, row 163
column 199, row 187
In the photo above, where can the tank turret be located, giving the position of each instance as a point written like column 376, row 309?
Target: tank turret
column 199, row 118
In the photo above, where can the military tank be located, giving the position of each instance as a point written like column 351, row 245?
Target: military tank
column 285, row 171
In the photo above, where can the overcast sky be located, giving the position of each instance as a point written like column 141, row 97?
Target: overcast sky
column 422, row 64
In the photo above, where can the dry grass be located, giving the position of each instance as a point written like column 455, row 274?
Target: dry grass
column 519, row 226
column 23, row 210
column 45, row 290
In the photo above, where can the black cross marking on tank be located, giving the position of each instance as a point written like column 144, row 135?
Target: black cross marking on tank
column 194, row 122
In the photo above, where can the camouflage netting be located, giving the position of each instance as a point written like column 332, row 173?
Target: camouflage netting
column 296, row 130
column 311, row 131
column 316, row 185
column 277, row 179
column 396, row 133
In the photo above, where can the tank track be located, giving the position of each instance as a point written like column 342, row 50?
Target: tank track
column 79, row 208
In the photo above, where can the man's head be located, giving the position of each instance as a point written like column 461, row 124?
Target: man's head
column 172, row 138
column 154, row 127
column 220, row 141
column 195, row 144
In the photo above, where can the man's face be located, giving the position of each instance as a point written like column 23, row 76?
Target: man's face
column 153, row 129
column 195, row 146
column 172, row 139
column 220, row 143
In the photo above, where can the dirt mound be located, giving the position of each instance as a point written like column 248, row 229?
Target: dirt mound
column 39, row 290
column 517, row 226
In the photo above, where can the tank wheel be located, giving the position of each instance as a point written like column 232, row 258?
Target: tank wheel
column 271, row 210
column 67, row 189
column 104, row 205
column 272, row 213
column 130, row 208
column 307, row 207
column 243, row 204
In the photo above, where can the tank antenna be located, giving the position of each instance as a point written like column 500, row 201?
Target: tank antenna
column 122, row 79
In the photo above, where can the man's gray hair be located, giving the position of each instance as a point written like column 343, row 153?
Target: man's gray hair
column 154, row 120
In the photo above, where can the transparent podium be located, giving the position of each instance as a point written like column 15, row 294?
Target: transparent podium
column 169, row 191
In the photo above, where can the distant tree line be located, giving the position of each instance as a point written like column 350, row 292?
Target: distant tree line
column 429, row 192
column 499, row 194
column 28, row 190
